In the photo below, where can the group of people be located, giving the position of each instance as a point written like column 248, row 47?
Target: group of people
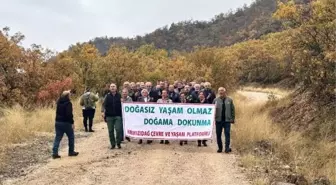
column 163, row 92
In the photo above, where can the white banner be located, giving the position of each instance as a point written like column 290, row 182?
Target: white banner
column 168, row 121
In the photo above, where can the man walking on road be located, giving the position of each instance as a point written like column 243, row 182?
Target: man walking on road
column 225, row 116
column 64, row 123
column 111, row 109
column 88, row 102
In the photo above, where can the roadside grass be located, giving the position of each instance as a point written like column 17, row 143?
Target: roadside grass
column 265, row 146
column 18, row 124
column 268, row 90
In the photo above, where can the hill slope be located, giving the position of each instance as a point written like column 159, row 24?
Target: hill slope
column 223, row 30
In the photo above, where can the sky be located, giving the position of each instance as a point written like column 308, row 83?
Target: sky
column 56, row 24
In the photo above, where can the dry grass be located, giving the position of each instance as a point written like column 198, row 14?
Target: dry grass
column 269, row 90
column 260, row 181
column 305, row 156
column 18, row 125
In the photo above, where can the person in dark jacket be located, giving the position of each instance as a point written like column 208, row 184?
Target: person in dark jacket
column 111, row 110
column 188, row 94
column 179, row 87
column 159, row 91
column 152, row 92
column 195, row 93
column 162, row 85
column 137, row 91
column 173, row 95
column 202, row 99
column 64, row 123
column 192, row 86
column 131, row 91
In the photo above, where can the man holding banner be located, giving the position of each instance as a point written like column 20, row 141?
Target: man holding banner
column 225, row 116
column 145, row 98
column 125, row 98
column 168, row 121
column 164, row 99
column 201, row 99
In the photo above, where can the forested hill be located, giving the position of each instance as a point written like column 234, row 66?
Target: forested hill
column 224, row 29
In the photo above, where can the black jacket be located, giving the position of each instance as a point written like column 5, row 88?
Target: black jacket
column 175, row 97
column 137, row 94
column 112, row 105
column 64, row 110
column 154, row 94
column 195, row 97
column 209, row 95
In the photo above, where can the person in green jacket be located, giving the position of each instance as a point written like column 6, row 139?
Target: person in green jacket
column 88, row 102
column 225, row 116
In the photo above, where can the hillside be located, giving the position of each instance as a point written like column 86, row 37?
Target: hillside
column 223, row 30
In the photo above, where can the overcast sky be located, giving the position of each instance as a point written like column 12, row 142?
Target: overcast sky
column 56, row 24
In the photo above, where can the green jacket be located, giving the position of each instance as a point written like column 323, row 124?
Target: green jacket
column 88, row 100
column 229, row 110
column 128, row 99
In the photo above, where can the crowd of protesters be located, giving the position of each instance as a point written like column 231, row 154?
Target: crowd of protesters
column 162, row 92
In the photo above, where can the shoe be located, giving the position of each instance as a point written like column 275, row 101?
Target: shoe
column 140, row 142
column 161, row 142
column 128, row 139
column 113, row 147
column 205, row 144
column 119, row 146
column 185, row 142
column 73, row 154
column 56, row 156
column 199, row 144
column 91, row 130
column 181, row 143
column 228, row 150
column 149, row 142
column 167, row 142
column 219, row 150
column 86, row 130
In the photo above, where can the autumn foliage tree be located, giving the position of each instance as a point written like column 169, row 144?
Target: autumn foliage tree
column 51, row 91
column 303, row 52
column 21, row 72
column 313, row 40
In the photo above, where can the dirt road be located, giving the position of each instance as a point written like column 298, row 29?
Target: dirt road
column 139, row 164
